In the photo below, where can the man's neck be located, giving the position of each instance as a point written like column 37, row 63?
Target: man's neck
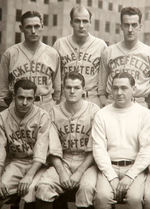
column 73, row 108
column 32, row 46
column 80, row 40
column 129, row 45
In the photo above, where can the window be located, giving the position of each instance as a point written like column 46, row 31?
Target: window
column 54, row 20
column 54, row 38
column 100, row 4
column 89, row 3
column 45, row 39
column 78, row 1
column 45, row 19
column 117, row 29
column 107, row 27
column 119, row 8
column 110, row 6
column 18, row 15
column 46, row 1
column 97, row 25
column 0, row 14
column 17, row 37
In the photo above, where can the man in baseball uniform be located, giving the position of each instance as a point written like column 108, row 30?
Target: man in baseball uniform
column 121, row 147
column 33, row 60
column 71, row 148
column 24, row 135
column 81, row 52
column 129, row 55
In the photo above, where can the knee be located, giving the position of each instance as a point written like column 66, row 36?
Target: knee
column 45, row 192
column 134, row 200
column 86, row 188
column 102, row 198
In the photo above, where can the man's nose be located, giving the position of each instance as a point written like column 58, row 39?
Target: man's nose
column 25, row 101
column 130, row 28
column 119, row 91
column 72, row 90
column 81, row 24
column 33, row 30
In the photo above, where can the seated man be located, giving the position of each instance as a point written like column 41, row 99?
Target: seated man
column 24, row 138
column 71, row 149
column 121, row 147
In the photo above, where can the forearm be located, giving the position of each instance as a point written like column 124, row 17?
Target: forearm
column 34, row 168
column 86, row 164
column 57, row 163
column 1, row 171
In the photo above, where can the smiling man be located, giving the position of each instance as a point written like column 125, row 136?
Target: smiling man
column 24, row 140
column 129, row 55
column 72, row 160
column 81, row 52
column 33, row 60
column 121, row 144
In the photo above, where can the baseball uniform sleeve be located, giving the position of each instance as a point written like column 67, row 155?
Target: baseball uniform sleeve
column 57, row 80
column 94, row 109
column 142, row 160
column 41, row 145
column 4, row 68
column 55, row 147
column 101, row 84
column 3, row 143
column 100, row 153
column 103, row 73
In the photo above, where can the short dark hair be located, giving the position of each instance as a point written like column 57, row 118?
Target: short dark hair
column 125, row 75
column 74, row 75
column 79, row 8
column 24, row 84
column 30, row 14
column 130, row 11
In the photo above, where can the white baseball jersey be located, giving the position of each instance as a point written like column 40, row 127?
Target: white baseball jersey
column 73, row 130
column 84, row 59
column 43, row 68
column 26, row 138
column 135, row 61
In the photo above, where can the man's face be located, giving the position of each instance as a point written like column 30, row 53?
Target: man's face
column 32, row 29
column 24, row 99
column 130, row 26
column 73, row 90
column 122, row 92
column 80, row 23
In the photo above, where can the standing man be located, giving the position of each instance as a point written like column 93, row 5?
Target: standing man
column 71, row 151
column 81, row 52
column 31, row 60
column 129, row 55
column 24, row 136
column 121, row 147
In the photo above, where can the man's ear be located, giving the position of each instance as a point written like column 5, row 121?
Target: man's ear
column 141, row 25
column 21, row 28
column 71, row 23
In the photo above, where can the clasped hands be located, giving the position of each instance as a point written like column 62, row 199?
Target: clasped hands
column 120, row 188
column 70, row 181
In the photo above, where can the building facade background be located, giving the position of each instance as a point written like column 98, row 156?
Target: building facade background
column 105, row 19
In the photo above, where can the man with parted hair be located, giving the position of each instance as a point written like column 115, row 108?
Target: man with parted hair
column 33, row 60
column 129, row 55
column 81, row 52
column 70, row 149
column 121, row 144
column 24, row 136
